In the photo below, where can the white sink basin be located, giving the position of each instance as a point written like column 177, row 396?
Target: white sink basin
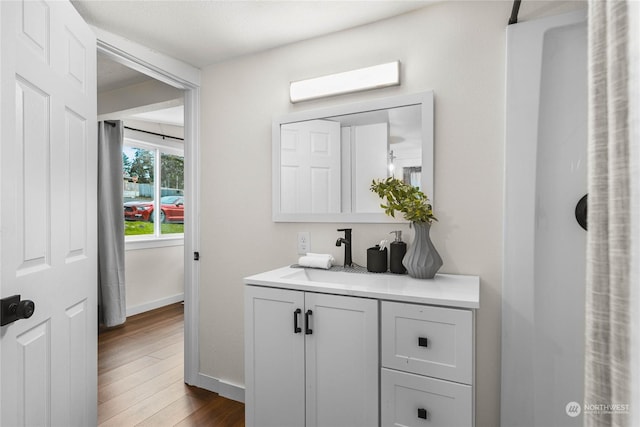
column 331, row 276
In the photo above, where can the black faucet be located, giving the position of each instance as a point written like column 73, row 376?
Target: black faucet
column 347, row 245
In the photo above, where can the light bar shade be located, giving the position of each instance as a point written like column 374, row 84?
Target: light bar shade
column 377, row 76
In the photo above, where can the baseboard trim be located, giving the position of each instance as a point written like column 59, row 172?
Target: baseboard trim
column 223, row 388
column 152, row 305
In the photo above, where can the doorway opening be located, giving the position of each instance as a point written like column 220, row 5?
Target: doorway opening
column 153, row 173
column 160, row 114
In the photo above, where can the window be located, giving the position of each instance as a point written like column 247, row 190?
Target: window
column 153, row 191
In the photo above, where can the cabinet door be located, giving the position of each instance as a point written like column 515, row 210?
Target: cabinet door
column 341, row 361
column 274, row 358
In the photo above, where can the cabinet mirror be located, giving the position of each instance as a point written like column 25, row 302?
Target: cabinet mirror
column 324, row 160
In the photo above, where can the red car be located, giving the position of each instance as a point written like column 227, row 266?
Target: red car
column 171, row 210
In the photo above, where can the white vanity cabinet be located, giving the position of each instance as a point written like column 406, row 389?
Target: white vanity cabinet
column 310, row 359
column 329, row 349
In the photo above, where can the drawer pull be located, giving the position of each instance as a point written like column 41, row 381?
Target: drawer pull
column 307, row 329
column 423, row 414
column 296, row 329
column 423, row 342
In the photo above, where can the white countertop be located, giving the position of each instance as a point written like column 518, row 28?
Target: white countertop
column 450, row 290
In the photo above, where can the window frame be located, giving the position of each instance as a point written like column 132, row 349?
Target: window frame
column 159, row 146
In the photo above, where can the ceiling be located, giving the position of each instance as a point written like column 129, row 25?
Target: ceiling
column 204, row 32
column 113, row 75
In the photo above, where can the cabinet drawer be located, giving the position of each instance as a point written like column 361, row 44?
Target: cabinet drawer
column 428, row 340
column 409, row 400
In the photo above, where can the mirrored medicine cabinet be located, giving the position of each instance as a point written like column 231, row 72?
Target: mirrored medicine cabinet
column 324, row 160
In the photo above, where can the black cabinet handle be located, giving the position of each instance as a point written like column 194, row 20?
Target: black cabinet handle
column 423, row 342
column 296, row 329
column 423, row 414
column 307, row 329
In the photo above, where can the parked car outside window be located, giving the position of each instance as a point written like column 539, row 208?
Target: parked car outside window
column 171, row 210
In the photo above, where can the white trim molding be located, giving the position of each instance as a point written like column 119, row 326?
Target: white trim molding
column 223, row 388
column 140, row 58
column 152, row 305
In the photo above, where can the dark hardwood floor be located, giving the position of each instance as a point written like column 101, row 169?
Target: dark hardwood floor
column 140, row 377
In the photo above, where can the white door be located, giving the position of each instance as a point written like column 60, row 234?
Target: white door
column 342, row 368
column 48, row 252
column 274, row 357
column 310, row 167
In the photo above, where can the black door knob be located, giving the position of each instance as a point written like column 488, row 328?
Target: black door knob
column 12, row 309
column 25, row 309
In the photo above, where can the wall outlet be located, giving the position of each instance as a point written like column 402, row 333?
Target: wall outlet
column 304, row 244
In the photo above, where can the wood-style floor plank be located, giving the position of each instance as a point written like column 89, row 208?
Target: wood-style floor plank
column 113, row 359
column 111, row 391
column 174, row 413
column 169, row 351
column 219, row 412
column 140, row 377
column 132, row 397
column 124, row 371
column 148, row 407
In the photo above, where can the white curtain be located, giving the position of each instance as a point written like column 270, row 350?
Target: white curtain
column 111, row 281
column 611, row 275
column 634, row 81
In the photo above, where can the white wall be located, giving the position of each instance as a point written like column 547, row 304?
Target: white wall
column 154, row 278
column 455, row 48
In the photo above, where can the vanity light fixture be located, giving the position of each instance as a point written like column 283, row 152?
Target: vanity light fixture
column 375, row 77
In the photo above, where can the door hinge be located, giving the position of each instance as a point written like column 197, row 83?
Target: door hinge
column 196, row 256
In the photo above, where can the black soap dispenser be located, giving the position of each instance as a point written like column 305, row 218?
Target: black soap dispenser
column 398, row 249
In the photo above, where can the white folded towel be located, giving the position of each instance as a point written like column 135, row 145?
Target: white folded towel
column 327, row 256
column 312, row 260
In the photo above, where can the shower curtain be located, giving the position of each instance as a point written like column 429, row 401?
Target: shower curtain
column 111, row 284
column 612, row 218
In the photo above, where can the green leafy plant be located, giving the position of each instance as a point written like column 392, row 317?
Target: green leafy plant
column 405, row 198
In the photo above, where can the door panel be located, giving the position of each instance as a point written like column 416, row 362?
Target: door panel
column 34, row 370
column 342, row 361
column 32, row 138
column 75, row 152
column 78, row 351
column 33, row 28
column 75, row 59
column 48, row 253
column 274, row 363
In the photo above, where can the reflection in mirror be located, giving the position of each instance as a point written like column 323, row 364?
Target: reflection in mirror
column 310, row 167
column 325, row 161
